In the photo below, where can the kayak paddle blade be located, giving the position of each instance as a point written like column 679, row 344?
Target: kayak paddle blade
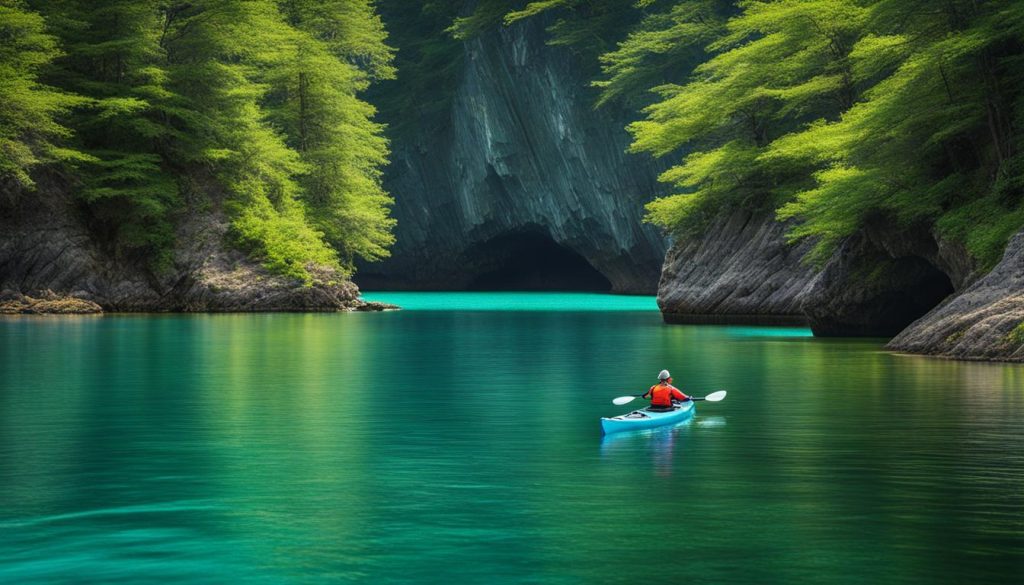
column 623, row 400
column 715, row 396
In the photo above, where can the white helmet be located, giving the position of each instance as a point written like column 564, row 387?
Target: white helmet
column 664, row 375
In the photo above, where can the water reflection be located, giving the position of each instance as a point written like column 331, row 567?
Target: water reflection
column 710, row 421
column 659, row 445
column 441, row 446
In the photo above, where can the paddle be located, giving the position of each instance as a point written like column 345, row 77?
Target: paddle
column 713, row 397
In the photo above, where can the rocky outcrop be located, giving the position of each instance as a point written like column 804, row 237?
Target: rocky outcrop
column 984, row 322
column 883, row 278
column 879, row 281
column 521, row 159
column 47, row 252
column 48, row 303
column 742, row 270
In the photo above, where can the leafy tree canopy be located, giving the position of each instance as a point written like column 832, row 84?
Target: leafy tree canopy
column 257, row 101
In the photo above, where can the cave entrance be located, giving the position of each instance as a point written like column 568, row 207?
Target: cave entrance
column 533, row 261
column 880, row 297
column 918, row 287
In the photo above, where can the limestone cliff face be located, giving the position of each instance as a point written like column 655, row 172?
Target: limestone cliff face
column 983, row 322
column 47, row 251
column 522, row 165
column 876, row 284
column 741, row 270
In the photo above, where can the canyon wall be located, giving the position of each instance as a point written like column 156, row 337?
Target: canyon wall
column 521, row 164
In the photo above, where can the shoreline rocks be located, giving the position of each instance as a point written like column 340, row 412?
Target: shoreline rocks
column 885, row 281
column 46, row 246
column 878, row 282
column 45, row 303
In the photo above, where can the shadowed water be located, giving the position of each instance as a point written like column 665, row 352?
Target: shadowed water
column 464, row 447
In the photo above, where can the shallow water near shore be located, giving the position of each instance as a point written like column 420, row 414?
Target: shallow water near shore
column 462, row 445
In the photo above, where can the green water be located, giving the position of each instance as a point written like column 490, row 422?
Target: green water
column 463, row 446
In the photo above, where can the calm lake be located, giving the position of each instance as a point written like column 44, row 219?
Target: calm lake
column 458, row 442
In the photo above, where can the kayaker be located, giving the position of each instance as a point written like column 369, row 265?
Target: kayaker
column 663, row 394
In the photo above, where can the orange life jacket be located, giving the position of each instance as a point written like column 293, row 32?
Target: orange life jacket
column 662, row 395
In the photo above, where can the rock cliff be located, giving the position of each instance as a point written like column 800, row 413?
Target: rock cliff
column 47, row 253
column 741, row 270
column 877, row 283
column 521, row 169
column 883, row 278
column 983, row 322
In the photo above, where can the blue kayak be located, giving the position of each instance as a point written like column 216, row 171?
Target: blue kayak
column 645, row 419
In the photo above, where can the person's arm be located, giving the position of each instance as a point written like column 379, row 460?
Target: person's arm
column 645, row 395
column 678, row 395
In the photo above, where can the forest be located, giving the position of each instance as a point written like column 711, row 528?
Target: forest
column 827, row 113
column 150, row 110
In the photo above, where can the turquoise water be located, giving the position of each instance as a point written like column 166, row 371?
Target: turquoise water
column 513, row 301
column 463, row 446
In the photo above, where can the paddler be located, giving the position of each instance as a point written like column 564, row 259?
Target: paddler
column 663, row 394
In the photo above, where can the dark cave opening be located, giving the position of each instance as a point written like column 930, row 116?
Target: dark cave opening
column 880, row 297
column 919, row 287
column 530, row 260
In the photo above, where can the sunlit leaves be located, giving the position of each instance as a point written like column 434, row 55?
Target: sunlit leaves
column 30, row 129
column 839, row 110
column 204, row 97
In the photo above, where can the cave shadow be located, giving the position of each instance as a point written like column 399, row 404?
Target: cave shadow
column 878, row 296
column 530, row 260
column 919, row 287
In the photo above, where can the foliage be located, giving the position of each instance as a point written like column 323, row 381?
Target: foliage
column 260, row 97
column 485, row 15
column 333, row 130
column 111, row 58
column 930, row 137
column 831, row 111
column 428, row 61
column 30, row 129
column 665, row 45
column 589, row 27
column 1016, row 335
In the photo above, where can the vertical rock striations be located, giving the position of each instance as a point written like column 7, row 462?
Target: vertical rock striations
column 742, row 270
column 523, row 158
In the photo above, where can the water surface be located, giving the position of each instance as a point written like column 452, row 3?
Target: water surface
column 463, row 446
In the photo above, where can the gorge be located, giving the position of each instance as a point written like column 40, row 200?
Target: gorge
column 512, row 180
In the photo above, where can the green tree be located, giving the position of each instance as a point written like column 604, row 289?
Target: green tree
column 247, row 105
column 340, row 46
column 774, row 65
column 30, row 130
column 936, row 136
column 834, row 111
column 112, row 58
column 220, row 56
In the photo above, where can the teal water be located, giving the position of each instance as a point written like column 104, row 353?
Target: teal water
column 463, row 446
column 514, row 301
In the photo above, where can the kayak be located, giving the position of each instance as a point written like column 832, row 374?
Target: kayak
column 645, row 419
